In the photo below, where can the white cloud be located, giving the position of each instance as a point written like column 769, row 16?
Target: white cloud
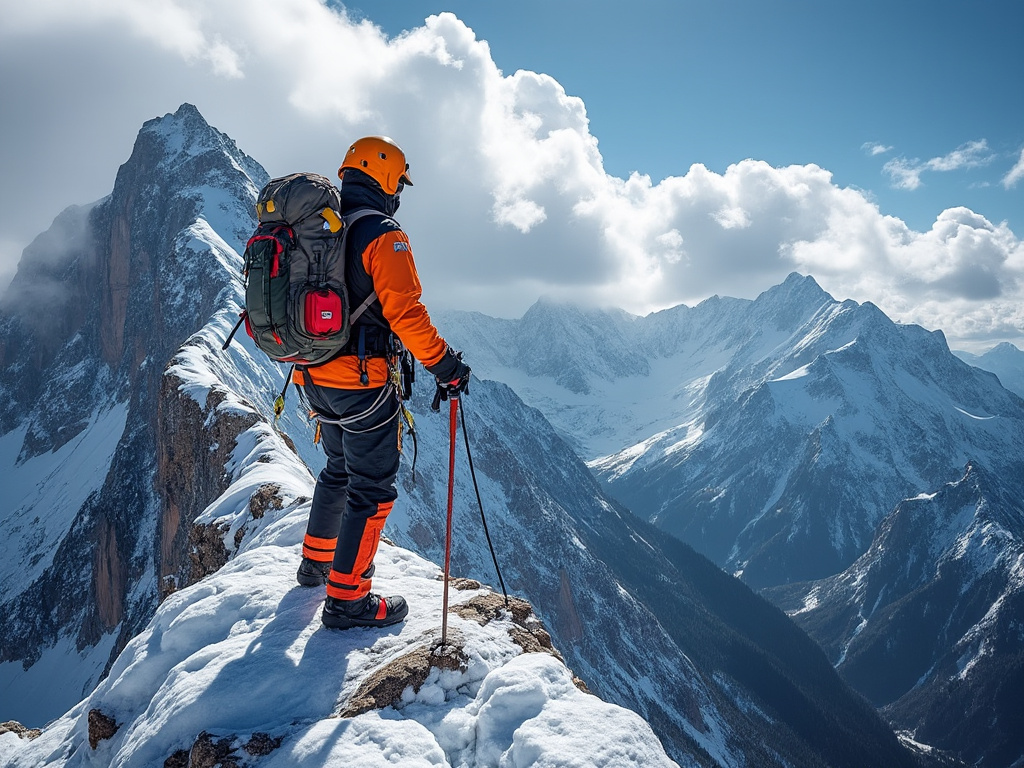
column 906, row 174
column 969, row 155
column 1016, row 173
column 511, row 199
column 874, row 148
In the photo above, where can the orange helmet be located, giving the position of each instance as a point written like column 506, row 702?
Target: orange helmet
column 381, row 159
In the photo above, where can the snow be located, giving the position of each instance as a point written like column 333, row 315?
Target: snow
column 799, row 373
column 972, row 416
column 243, row 651
column 64, row 672
column 45, row 492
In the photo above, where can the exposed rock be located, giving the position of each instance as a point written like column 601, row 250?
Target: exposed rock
column 114, row 301
column 211, row 752
column 527, row 631
column 189, row 476
column 262, row 744
column 206, row 552
column 266, row 497
column 109, row 574
column 12, row 726
column 465, row 584
column 101, row 727
column 571, row 627
column 384, row 687
column 289, row 442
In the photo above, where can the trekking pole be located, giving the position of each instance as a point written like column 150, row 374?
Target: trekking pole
column 453, row 399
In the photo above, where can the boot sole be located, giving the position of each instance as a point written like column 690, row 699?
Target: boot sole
column 334, row 621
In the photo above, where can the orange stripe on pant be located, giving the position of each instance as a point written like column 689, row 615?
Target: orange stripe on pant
column 321, row 550
column 352, row 586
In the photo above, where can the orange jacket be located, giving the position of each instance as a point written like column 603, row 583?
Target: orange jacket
column 389, row 262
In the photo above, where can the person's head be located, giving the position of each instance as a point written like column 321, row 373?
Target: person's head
column 380, row 159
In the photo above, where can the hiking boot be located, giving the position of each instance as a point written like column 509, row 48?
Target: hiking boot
column 312, row 573
column 369, row 611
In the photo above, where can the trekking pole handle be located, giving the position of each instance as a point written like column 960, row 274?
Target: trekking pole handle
column 443, row 392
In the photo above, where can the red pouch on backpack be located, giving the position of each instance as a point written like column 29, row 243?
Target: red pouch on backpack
column 322, row 312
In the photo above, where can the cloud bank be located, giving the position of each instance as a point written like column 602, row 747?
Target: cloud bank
column 511, row 199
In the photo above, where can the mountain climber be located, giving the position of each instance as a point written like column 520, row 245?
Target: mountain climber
column 355, row 397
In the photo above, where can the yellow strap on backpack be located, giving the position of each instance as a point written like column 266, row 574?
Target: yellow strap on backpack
column 333, row 220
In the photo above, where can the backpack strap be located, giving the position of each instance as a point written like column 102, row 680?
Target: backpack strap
column 351, row 219
column 358, row 311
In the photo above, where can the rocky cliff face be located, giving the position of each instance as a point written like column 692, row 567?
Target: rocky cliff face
column 194, row 451
column 100, row 304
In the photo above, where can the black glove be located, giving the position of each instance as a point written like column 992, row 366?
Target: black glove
column 452, row 376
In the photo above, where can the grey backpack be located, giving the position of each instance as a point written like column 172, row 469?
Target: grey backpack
column 296, row 301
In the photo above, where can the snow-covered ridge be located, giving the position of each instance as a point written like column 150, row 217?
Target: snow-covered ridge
column 242, row 656
column 243, row 653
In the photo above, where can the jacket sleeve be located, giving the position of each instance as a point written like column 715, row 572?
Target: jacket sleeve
column 389, row 262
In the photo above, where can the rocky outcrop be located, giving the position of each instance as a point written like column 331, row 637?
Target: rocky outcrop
column 110, row 575
column 114, row 300
column 526, row 630
column 385, row 686
column 196, row 443
column 211, row 751
column 101, row 727
column 12, row 726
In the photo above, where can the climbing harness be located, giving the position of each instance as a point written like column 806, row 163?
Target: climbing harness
column 401, row 375
column 398, row 386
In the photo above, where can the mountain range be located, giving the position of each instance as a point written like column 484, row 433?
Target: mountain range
column 149, row 476
column 776, row 436
column 1004, row 360
column 772, row 435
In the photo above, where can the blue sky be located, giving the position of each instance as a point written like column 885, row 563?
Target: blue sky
column 669, row 83
column 878, row 147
